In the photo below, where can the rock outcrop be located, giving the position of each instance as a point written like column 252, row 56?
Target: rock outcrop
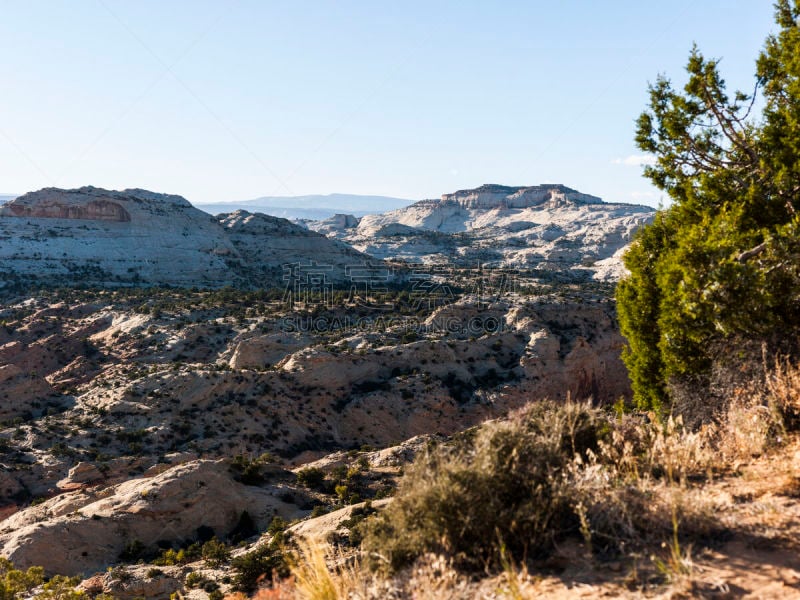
column 91, row 236
column 68, row 208
column 92, row 528
column 547, row 227
column 338, row 222
column 491, row 196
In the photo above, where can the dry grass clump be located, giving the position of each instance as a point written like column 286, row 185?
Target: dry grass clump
column 783, row 386
column 642, row 447
column 752, row 425
column 321, row 573
column 317, row 571
column 556, row 470
column 506, row 487
column 433, row 577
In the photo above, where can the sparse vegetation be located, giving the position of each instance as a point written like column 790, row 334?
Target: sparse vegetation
column 16, row 584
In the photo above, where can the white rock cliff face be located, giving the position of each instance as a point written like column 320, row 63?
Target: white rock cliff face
column 102, row 237
column 548, row 226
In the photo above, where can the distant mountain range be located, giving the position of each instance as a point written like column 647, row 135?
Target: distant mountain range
column 314, row 207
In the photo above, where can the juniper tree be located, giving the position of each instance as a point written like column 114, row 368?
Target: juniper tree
column 722, row 263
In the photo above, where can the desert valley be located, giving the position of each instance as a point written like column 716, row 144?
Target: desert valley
column 220, row 378
column 221, row 381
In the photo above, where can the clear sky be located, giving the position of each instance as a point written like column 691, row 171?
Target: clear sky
column 238, row 99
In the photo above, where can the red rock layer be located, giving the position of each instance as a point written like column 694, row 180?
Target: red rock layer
column 95, row 210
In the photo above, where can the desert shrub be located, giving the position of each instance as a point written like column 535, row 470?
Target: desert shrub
column 181, row 556
column 194, row 580
column 215, row 553
column 62, row 588
column 507, row 488
column 17, row 584
column 512, row 488
column 312, row 478
column 262, row 563
column 249, row 471
column 355, row 525
column 14, row 582
column 277, row 525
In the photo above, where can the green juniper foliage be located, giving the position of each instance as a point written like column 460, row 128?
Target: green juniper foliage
column 722, row 263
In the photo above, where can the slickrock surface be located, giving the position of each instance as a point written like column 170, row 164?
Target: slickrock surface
column 549, row 227
column 86, row 531
column 92, row 236
column 126, row 390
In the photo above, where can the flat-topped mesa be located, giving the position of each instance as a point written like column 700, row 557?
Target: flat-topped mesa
column 491, row 196
column 92, row 204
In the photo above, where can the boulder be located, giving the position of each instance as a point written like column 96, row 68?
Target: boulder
column 168, row 507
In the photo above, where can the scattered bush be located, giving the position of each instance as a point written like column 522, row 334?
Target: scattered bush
column 263, row 562
column 312, row 478
column 277, row 525
column 249, row 471
column 215, row 553
column 507, row 488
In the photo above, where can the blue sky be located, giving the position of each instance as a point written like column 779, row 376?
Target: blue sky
column 228, row 101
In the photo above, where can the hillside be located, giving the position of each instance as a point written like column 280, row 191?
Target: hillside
column 548, row 227
column 100, row 388
column 96, row 237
